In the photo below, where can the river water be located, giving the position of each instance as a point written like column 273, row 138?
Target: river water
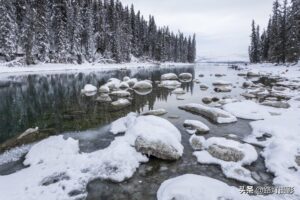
column 53, row 102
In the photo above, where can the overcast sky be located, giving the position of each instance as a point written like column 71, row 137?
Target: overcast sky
column 222, row 26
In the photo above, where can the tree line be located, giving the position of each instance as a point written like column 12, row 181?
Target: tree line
column 75, row 31
column 280, row 41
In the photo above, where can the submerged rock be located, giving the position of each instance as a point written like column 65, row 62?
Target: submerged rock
column 222, row 83
column 121, row 103
column 195, row 126
column 297, row 160
column 157, row 112
column 120, row 93
column 225, row 153
column 215, row 114
column 178, row 91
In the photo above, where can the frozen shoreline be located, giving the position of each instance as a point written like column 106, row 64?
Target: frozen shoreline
column 86, row 67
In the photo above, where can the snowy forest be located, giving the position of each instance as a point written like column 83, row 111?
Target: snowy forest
column 75, row 31
column 280, row 41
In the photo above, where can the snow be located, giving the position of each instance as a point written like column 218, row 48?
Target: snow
column 196, row 187
column 120, row 125
column 215, row 114
column 247, row 110
column 14, row 154
column 281, row 149
column 230, row 168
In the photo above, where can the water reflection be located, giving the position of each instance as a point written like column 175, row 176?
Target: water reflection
column 55, row 102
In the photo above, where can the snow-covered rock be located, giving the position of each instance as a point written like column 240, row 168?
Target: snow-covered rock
column 89, row 90
column 143, row 92
column 178, row 91
column 151, row 135
column 157, row 137
column 104, row 89
column 215, row 114
column 253, row 74
column 124, row 85
column 142, row 85
column 113, row 83
column 103, row 98
column 120, row 93
column 229, row 154
column 196, row 187
column 207, row 100
column 168, row 76
column 171, row 84
column 197, row 142
column 126, row 78
column 276, row 104
column 195, row 127
column 29, row 131
column 185, row 76
column 121, row 103
column 157, row 112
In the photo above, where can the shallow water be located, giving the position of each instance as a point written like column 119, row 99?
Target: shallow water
column 54, row 102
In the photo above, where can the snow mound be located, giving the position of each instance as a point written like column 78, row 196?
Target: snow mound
column 247, row 110
column 215, row 114
column 14, row 154
column 229, row 154
column 196, row 187
column 64, row 170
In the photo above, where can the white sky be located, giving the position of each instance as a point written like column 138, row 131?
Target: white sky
column 222, row 26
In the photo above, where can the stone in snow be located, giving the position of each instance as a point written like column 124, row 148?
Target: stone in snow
column 178, row 91
column 195, row 126
column 121, row 103
column 247, row 84
column 169, row 76
column 207, row 100
column 104, row 98
column 157, row 112
column 113, row 83
column 203, row 87
column 215, row 114
column 276, row 104
column 120, row 93
column 104, row 89
column 29, row 131
column 253, row 74
column 185, row 76
column 223, row 88
column 196, row 187
column 142, row 85
column 229, row 154
column 248, row 95
column 221, row 83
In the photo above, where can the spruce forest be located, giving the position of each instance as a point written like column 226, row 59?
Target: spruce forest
column 76, row 31
column 280, row 41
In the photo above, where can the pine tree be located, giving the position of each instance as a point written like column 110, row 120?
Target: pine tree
column 254, row 47
column 8, row 30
